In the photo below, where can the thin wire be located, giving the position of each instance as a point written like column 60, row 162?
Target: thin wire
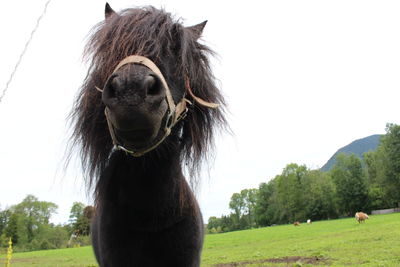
column 23, row 51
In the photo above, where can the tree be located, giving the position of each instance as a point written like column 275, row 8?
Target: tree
column 218, row 225
column 34, row 213
column 82, row 225
column 226, row 223
column 52, row 237
column 27, row 224
column 213, row 222
column 33, row 208
column 250, row 200
column 80, row 218
column 391, row 148
column 23, row 222
column 351, row 186
column 375, row 165
column 214, row 225
column 237, row 204
column 76, row 212
column 320, row 196
column 13, row 228
column 290, row 193
column 383, row 168
column 264, row 204
column 243, row 205
column 4, row 218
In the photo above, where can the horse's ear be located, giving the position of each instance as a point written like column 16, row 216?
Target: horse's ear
column 108, row 11
column 197, row 29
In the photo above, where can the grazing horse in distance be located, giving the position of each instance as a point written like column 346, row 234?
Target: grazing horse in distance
column 361, row 217
column 148, row 106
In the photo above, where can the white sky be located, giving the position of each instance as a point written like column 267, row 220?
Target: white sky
column 302, row 79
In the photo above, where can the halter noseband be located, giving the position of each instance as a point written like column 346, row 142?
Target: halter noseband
column 175, row 112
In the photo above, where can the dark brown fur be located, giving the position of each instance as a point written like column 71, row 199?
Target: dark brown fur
column 146, row 214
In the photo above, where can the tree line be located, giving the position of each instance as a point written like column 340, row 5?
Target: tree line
column 299, row 193
column 28, row 225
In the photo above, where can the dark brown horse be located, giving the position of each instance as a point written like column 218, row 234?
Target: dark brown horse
column 156, row 110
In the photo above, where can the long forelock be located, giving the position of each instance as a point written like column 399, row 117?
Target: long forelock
column 142, row 31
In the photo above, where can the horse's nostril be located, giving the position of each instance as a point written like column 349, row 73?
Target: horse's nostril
column 109, row 91
column 152, row 85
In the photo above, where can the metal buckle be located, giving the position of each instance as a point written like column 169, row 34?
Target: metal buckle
column 183, row 115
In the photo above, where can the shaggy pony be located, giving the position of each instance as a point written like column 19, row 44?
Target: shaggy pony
column 146, row 214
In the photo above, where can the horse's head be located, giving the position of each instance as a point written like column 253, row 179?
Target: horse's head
column 137, row 101
column 143, row 99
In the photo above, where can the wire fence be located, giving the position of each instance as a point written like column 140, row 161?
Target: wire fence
column 24, row 51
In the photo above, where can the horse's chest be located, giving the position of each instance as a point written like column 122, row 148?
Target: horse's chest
column 177, row 245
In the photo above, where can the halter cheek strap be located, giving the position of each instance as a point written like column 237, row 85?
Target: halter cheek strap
column 175, row 112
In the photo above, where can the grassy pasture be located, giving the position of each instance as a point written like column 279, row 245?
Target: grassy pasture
column 336, row 243
column 69, row 257
column 341, row 242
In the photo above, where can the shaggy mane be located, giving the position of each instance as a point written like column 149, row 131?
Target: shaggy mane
column 157, row 35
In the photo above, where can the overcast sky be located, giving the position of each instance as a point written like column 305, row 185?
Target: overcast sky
column 302, row 79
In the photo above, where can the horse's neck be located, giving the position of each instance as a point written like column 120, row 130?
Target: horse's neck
column 141, row 183
column 146, row 195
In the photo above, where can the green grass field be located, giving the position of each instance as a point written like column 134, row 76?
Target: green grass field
column 335, row 243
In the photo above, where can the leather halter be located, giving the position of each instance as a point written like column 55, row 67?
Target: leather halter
column 175, row 112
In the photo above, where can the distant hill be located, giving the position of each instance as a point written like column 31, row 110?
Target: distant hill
column 357, row 147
